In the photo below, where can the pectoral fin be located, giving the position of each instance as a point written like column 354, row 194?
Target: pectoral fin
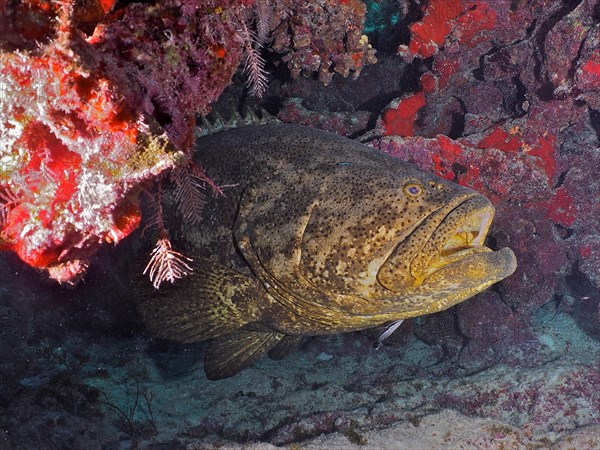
column 210, row 302
column 228, row 355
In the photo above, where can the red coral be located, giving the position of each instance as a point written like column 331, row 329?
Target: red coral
column 512, row 141
column 585, row 251
column 445, row 68
column 546, row 152
column 501, row 140
column 107, row 5
column 72, row 156
column 592, row 67
column 461, row 20
column 492, row 172
column 399, row 117
column 560, row 209
column 588, row 73
column 477, row 17
column 430, row 33
column 79, row 113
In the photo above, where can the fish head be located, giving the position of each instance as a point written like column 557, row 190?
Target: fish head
column 444, row 260
column 403, row 236
column 443, row 236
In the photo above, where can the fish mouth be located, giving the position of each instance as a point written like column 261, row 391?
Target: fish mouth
column 457, row 241
column 467, row 239
column 445, row 247
column 454, row 264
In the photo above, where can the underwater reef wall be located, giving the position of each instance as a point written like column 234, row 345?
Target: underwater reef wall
column 98, row 102
column 519, row 93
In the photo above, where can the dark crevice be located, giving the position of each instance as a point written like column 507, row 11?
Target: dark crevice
column 595, row 122
column 546, row 90
column 478, row 72
column 554, row 303
column 387, row 25
column 162, row 117
column 414, row 13
column 272, row 104
column 458, row 168
column 505, row 299
column 573, row 68
column 515, row 4
column 507, row 88
column 561, row 180
column 445, row 356
column 520, row 97
column 408, row 83
column 563, row 232
column 596, row 13
column 578, row 283
column 464, row 338
column 457, row 125
column 428, row 63
column 531, row 28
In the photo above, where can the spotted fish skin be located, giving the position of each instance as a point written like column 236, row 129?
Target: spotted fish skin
column 318, row 234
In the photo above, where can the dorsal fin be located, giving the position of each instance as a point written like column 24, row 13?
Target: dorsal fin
column 215, row 123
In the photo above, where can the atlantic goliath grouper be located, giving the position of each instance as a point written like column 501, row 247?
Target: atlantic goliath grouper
column 317, row 234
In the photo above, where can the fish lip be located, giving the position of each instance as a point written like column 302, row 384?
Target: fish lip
column 464, row 238
column 478, row 224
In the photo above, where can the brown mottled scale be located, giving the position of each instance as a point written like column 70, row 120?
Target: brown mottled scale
column 318, row 234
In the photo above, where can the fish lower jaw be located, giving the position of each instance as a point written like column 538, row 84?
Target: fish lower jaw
column 449, row 257
column 467, row 240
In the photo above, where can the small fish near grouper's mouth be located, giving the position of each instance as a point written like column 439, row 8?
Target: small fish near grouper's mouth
column 317, row 234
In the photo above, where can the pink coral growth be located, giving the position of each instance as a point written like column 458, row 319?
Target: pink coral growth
column 166, row 264
column 322, row 36
column 469, row 166
column 175, row 56
column 99, row 98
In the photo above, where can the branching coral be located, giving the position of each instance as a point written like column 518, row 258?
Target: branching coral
column 176, row 57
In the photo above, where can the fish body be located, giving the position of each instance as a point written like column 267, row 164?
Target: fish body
column 318, row 234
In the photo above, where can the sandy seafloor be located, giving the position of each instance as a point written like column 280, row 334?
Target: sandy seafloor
column 335, row 392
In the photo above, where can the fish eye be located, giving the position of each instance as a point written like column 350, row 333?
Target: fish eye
column 413, row 189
